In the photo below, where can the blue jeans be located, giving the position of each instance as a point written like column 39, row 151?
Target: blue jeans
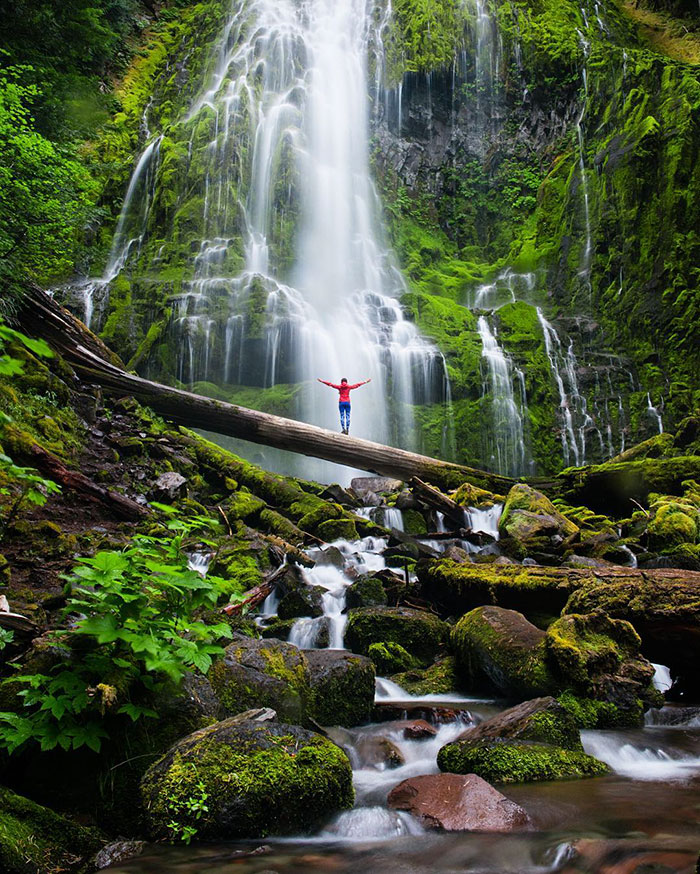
column 344, row 407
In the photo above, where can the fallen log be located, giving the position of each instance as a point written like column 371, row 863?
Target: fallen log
column 41, row 316
column 435, row 499
column 52, row 466
column 256, row 595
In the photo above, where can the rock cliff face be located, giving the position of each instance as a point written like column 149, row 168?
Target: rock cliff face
column 537, row 166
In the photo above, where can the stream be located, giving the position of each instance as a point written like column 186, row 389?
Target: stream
column 647, row 810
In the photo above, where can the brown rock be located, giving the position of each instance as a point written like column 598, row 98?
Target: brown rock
column 458, row 802
column 416, row 729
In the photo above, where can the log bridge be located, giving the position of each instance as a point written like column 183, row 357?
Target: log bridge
column 41, row 316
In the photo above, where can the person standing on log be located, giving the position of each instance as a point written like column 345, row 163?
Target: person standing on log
column 344, row 390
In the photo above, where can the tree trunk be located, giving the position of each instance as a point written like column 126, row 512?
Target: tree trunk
column 41, row 316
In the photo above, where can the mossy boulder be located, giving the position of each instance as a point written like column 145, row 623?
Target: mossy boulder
column 503, row 761
column 528, row 513
column 500, row 651
column 663, row 606
column 459, row 587
column 262, row 673
column 342, row 687
column 303, row 601
column 367, row 591
column 599, row 658
column 278, row 629
column 674, row 522
column 337, row 529
column 439, row 679
column 540, row 720
column 468, row 495
column 35, row 840
column 256, row 779
column 421, row 634
column 389, row 658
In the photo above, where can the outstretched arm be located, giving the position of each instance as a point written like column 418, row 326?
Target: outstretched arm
column 325, row 382
column 358, row 384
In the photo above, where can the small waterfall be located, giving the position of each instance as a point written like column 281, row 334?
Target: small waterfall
column 633, row 754
column 654, row 414
column 506, row 438
column 485, row 521
column 662, row 678
column 130, row 231
column 563, row 365
column 199, row 562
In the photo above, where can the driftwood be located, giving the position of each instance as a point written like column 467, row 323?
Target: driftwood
column 435, row 499
column 257, row 595
column 53, row 467
column 292, row 552
column 42, row 316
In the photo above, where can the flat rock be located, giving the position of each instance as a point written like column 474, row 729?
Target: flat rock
column 541, row 720
column 455, row 802
column 416, row 729
column 169, row 485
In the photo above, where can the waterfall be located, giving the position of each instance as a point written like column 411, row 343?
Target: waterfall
column 291, row 277
column 655, row 414
column 506, row 438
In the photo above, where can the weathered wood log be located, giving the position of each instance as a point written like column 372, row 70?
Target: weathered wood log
column 435, row 499
column 42, row 316
column 52, row 466
column 293, row 553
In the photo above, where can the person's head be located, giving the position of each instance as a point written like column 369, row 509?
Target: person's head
column 343, row 381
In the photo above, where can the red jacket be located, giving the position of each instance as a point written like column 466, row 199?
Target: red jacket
column 344, row 390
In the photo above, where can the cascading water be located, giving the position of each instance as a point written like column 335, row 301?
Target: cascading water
column 586, row 257
column 292, row 279
column 506, row 438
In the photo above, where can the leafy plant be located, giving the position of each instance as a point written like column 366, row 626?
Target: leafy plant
column 137, row 628
column 191, row 807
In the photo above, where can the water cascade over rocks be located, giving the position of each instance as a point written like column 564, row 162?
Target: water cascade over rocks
column 292, row 279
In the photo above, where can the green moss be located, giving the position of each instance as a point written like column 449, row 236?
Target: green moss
column 37, row 839
column 390, row 658
column 499, row 649
column 421, row 634
column 508, row 762
column 342, row 693
column 366, row 592
column 259, row 781
column 589, row 713
column 439, row 679
column 337, row 529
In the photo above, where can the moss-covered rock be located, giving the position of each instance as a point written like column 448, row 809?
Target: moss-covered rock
column 499, row 650
column 528, row 513
column 589, row 713
column 663, row 606
column 367, row 591
column 342, row 687
column 35, row 840
column 302, row 601
column 674, row 522
column 262, row 673
column 599, row 658
column 337, row 529
column 439, row 679
column 541, row 720
column 249, row 779
column 517, row 761
column 421, row 634
column 390, row 658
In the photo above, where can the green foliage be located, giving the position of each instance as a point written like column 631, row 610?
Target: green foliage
column 190, row 807
column 19, row 483
column 139, row 627
column 45, row 193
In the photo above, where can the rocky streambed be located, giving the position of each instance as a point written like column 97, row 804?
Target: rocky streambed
column 471, row 755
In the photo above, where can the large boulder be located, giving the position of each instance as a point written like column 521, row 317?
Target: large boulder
column 541, row 720
column 421, row 634
column 262, row 673
column 599, row 658
column 528, row 513
column 390, row 658
column 245, row 779
column 500, row 651
column 454, row 802
column 503, row 761
column 342, row 687
column 34, row 839
column 367, row 591
column 664, row 608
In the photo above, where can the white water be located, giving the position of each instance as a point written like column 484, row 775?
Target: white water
column 655, row 414
column 506, row 439
column 641, row 758
column 199, row 562
column 364, row 556
column 585, row 271
column 662, row 678
column 485, row 521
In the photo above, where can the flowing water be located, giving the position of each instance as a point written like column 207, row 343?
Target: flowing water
column 648, row 808
column 287, row 170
